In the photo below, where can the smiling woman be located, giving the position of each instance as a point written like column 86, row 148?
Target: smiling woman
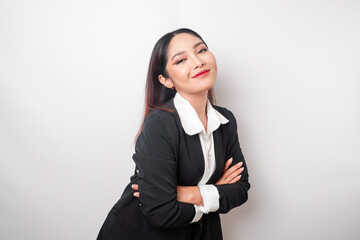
column 190, row 63
column 189, row 164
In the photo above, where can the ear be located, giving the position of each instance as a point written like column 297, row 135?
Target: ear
column 167, row 82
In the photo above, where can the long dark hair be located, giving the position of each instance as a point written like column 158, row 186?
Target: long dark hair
column 155, row 92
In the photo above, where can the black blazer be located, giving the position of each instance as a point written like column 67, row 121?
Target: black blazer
column 165, row 157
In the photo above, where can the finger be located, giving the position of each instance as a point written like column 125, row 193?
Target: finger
column 228, row 162
column 136, row 194
column 234, row 175
column 235, row 179
column 232, row 169
column 135, row 186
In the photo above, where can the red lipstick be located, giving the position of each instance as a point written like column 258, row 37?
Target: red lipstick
column 202, row 73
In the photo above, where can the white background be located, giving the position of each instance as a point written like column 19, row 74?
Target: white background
column 72, row 79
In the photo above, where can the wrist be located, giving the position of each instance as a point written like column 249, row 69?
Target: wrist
column 196, row 196
column 189, row 194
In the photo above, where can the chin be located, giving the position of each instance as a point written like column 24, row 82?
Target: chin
column 207, row 87
column 211, row 83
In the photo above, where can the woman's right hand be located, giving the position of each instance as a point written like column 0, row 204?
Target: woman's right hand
column 231, row 175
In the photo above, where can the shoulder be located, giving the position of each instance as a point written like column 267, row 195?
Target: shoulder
column 159, row 116
column 226, row 113
column 231, row 127
column 158, row 131
column 160, row 121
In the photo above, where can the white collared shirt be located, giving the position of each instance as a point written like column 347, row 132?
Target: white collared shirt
column 192, row 124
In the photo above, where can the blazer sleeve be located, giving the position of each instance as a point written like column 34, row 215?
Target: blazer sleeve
column 234, row 194
column 155, row 158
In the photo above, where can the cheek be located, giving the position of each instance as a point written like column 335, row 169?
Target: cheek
column 181, row 73
column 212, row 60
column 213, row 65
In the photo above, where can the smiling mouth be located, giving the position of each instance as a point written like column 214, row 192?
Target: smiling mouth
column 203, row 73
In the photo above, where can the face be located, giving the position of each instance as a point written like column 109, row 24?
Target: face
column 188, row 57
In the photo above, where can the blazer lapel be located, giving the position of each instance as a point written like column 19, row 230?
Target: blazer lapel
column 194, row 147
column 219, row 157
column 197, row 154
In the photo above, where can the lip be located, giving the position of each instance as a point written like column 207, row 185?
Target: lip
column 202, row 73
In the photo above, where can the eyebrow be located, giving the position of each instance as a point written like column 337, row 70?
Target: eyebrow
column 182, row 52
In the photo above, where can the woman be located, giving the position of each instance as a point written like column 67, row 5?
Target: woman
column 189, row 164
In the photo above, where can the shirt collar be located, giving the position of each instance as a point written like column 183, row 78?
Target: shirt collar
column 190, row 120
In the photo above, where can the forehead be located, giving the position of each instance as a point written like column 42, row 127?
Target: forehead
column 182, row 42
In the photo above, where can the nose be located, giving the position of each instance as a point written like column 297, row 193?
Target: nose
column 198, row 62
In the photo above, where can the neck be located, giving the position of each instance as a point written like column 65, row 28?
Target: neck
column 198, row 101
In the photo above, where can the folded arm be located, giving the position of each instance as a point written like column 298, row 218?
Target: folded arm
column 205, row 198
column 157, row 184
column 234, row 194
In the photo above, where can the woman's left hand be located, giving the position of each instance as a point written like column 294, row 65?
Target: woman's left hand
column 136, row 188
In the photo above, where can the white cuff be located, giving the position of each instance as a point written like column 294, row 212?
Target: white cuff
column 198, row 214
column 210, row 196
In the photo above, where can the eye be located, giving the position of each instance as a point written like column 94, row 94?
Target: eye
column 180, row 61
column 202, row 50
